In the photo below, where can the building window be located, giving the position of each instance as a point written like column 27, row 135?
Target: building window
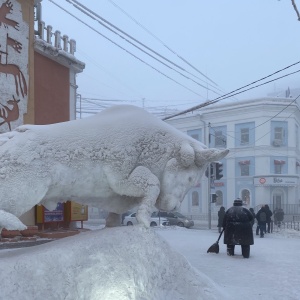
column 246, row 197
column 195, row 199
column 278, row 169
column 278, row 165
column 245, row 170
column 245, row 167
column 278, row 133
column 195, row 134
column 220, row 140
column 278, row 136
column 244, row 136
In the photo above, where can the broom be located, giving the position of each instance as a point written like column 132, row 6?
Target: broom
column 214, row 248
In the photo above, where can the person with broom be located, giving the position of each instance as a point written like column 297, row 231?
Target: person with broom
column 237, row 226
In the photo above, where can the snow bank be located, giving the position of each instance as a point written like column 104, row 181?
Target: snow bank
column 113, row 263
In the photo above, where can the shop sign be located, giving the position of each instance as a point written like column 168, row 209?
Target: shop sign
column 276, row 181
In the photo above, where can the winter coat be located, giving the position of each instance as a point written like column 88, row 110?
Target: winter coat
column 238, row 227
column 221, row 214
column 279, row 215
column 258, row 216
column 269, row 213
column 253, row 214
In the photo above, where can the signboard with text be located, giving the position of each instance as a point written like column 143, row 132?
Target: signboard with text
column 276, row 181
column 46, row 216
column 76, row 211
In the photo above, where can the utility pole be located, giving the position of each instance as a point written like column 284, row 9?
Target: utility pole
column 211, row 189
column 208, row 196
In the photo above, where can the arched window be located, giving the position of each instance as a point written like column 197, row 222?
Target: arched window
column 246, row 197
column 195, row 198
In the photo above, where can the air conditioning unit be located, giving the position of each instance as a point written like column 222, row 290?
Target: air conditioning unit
column 277, row 143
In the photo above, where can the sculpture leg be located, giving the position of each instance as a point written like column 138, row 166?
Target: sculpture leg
column 143, row 185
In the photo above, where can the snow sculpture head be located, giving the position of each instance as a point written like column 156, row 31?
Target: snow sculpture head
column 181, row 174
column 118, row 159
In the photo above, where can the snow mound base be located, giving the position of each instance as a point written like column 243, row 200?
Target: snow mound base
column 124, row 263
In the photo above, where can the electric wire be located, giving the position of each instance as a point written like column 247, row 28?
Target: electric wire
column 253, row 128
column 89, row 12
column 234, row 92
column 155, row 37
column 126, row 50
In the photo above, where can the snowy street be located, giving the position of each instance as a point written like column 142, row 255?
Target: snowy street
column 162, row 263
column 271, row 272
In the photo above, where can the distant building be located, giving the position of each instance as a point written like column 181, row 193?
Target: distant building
column 263, row 165
column 38, row 71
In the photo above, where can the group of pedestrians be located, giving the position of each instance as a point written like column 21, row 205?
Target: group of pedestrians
column 237, row 223
column 264, row 220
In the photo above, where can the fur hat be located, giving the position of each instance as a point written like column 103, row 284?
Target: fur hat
column 237, row 202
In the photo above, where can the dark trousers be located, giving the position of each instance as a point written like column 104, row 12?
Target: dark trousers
column 262, row 229
column 230, row 250
column 269, row 226
column 245, row 250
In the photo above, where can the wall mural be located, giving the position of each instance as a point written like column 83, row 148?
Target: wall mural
column 14, row 41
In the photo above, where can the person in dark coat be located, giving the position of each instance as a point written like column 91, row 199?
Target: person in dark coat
column 261, row 218
column 221, row 214
column 278, row 216
column 253, row 214
column 269, row 219
column 238, row 228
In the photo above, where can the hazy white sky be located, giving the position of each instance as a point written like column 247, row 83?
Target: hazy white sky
column 232, row 42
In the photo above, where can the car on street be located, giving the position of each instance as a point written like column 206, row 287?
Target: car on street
column 154, row 220
column 175, row 218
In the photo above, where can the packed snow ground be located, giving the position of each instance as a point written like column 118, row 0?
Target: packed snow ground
column 157, row 264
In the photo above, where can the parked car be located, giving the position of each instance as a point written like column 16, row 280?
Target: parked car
column 154, row 220
column 175, row 218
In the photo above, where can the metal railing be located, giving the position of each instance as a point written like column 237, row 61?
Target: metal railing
column 295, row 225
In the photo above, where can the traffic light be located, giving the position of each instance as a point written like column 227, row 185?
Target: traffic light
column 219, row 170
column 214, row 198
column 211, row 171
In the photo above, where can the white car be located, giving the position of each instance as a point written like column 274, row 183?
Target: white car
column 154, row 221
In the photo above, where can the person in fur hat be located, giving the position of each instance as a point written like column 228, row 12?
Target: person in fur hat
column 237, row 226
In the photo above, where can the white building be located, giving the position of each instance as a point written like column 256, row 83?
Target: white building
column 263, row 165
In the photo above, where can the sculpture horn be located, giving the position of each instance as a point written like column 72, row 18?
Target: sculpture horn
column 204, row 156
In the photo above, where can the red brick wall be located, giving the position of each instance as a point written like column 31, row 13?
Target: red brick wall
column 51, row 91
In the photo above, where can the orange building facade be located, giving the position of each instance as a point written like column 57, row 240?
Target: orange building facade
column 37, row 71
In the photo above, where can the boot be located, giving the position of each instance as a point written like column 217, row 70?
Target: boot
column 230, row 250
column 246, row 251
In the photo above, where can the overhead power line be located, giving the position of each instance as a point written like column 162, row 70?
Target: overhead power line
column 125, row 49
column 235, row 92
column 154, row 36
column 93, row 15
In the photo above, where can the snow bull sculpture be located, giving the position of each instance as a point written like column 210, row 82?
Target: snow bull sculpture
column 121, row 158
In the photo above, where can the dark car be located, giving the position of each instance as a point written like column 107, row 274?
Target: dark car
column 175, row 218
